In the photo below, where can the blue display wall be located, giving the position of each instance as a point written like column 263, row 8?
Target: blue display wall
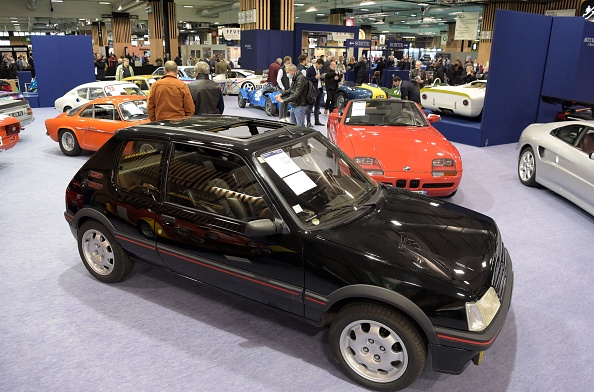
column 259, row 48
column 61, row 63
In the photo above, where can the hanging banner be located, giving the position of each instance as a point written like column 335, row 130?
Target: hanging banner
column 466, row 26
column 230, row 34
column 358, row 43
column 397, row 45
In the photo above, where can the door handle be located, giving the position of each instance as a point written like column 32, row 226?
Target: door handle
column 167, row 220
column 90, row 128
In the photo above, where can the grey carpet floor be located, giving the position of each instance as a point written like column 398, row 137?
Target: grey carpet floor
column 62, row 330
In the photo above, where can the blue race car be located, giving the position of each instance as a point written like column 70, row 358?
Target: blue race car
column 263, row 98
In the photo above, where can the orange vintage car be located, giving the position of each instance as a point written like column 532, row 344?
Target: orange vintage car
column 9, row 132
column 89, row 126
column 393, row 141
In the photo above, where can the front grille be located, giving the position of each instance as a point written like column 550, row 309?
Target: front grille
column 439, row 185
column 414, row 183
column 401, row 183
column 500, row 272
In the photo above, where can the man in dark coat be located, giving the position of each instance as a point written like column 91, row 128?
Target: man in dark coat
column 360, row 70
column 331, row 80
column 408, row 90
column 315, row 76
column 100, row 66
column 295, row 95
column 206, row 93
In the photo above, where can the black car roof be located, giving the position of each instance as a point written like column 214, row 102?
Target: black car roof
column 216, row 129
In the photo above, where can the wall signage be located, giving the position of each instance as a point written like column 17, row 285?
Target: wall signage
column 358, row 43
column 587, row 10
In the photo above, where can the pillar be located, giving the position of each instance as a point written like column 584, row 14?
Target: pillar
column 155, row 27
column 270, row 14
column 99, row 34
column 170, row 34
column 121, row 31
column 337, row 16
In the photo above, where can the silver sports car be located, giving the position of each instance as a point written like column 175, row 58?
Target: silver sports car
column 560, row 156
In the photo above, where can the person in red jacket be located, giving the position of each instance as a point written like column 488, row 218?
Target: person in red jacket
column 273, row 71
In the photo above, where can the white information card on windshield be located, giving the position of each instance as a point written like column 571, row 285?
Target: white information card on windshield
column 358, row 109
column 299, row 182
column 280, row 162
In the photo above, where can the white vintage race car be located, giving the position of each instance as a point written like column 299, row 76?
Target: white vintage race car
column 239, row 78
column 560, row 156
column 466, row 100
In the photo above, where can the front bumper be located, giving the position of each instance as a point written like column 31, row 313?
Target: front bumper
column 421, row 182
column 455, row 348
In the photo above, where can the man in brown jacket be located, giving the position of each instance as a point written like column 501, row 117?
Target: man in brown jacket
column 170, row 98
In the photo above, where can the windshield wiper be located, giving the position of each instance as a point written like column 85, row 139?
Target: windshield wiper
column 329, row 210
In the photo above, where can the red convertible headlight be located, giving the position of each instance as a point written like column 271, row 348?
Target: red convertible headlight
column 424, row 96
column 465, row 102
column 444, row 167
column 370, row 165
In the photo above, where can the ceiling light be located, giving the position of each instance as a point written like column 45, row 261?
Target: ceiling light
column 423, row 5
column 364, row 9
column 413, row 14
column 104, row 2
column 367, row 2
column 320, row 14
column 299, row 4
column 311, row 9
column 296, row 17
column 56, row 1
column 403, row 21
column 188, row 6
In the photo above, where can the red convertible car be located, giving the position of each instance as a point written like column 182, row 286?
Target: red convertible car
column 9, row 132
column 396, row 144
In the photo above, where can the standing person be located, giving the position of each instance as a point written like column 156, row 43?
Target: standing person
column 170, row 98
column 302, row 66
column 439, row 71
column 469, row 75
column 178, row 60
column 295, row 95
column 417, row 71
column 315, row 76
column 408, row 90
column 222, row 67
column 455, row 74
column 360, row 70
column 13, row 68
column 273, row 71
column 124, row 70
column 31, row 61
column 331, row 80
column 192, row 60
column 284, row 82
column 100, row 66
column 206, row 93
column 351, row 64
column 166, row 58
column 381, row 65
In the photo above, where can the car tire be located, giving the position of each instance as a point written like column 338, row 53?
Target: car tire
column 341, row 100
column 377, row 346
column 527, row 167
column 66, row 108
column 103, row 257
column 452, row 194
column 68, row 143
column 248, row 86
column 240, row 101
column 270, row 108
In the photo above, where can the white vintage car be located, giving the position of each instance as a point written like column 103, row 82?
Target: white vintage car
column 238, row 78
column 560, row 156
column 87, row 92
column 466, row 100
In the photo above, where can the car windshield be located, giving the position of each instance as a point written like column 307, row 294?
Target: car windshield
column 316, row 181
column 384, row 112
column 190, row 72
column 133, row 110
column 476, row 84
column 123, row 89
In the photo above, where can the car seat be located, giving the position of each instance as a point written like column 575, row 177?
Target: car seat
column 587, row 143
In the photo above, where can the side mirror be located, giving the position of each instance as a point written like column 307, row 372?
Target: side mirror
column 592, row 156
column 433, row 118
column 340, row 113
column 261, row 228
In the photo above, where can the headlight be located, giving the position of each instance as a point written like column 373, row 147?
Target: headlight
column 370, row 165
column 480, row 314
column 444, row 167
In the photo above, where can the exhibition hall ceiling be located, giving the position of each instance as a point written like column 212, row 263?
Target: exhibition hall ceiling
column 412, row 17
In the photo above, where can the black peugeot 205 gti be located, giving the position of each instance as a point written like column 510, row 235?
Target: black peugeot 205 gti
column 276, row 213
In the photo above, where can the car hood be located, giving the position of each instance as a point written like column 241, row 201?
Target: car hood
column 397, row 147
column 427, row 235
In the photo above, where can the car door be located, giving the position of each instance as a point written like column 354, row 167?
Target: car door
column 561, row 143
column 210, row 197
column 106, row 122
column 577, row 169
column 136, row 195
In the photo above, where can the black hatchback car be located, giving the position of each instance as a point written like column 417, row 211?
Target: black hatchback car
column 278, row 214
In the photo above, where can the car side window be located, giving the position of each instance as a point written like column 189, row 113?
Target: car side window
column 95, row 93
column 140, row 166
column 87, row 113
column 82, row 93
column 106, row 112
column 214, row 182
column 568, row 133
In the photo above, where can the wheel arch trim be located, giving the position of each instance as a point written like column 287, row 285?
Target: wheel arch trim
column 383, row 295
column 88, row 213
